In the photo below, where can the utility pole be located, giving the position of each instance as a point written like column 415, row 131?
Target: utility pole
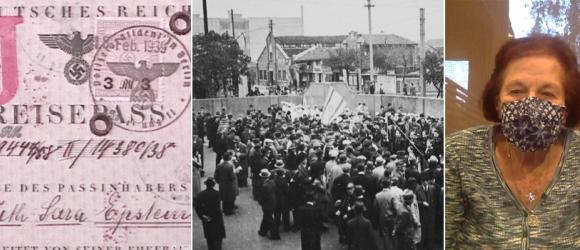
column 268, row 48
column 422, row 54
column 371, row 66
column 235, row 76
column 274, row 53
column 233, row 28
column 205, row 29
column 422, row 50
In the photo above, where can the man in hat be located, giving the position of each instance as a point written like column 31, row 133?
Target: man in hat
column 331, row 163
column 432, row 164
column 339, row 185
column 282, row 209
column 219, row 147
column 310, row 223
column 200, row 124
column 241, row 151
column 317, row 165
column 379, row 170
column 271, row 145
column 392, row 164
column 196, row 182
column 225, row 175
column 360, row 230
column 387, row 204
column 344, row 212
column 399, row 173
column 406, row 225
column 359, row 177
column 300, row 181
column 412, row 170
column 426, row 198
column 268, row 202
column 333, row 169
column 259, row 161
column 209, row 212
column 211, row 128
column 358, row 160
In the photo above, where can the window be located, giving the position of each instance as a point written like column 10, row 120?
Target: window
column 458, row 71
column 284, row 75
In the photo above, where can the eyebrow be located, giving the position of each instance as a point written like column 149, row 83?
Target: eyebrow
column 542, row 85
column 548, row 86
column 515, row 83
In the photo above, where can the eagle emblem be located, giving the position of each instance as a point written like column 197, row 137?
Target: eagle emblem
column 76, row 70
column 144, row 76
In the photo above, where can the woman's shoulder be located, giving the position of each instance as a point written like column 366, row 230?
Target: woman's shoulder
column 470, row 136
column 574, row 141
column 574, row 133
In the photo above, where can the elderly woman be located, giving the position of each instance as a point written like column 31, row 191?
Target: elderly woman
column 516, row 184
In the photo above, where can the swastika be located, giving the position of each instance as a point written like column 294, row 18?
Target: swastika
column 77, row 71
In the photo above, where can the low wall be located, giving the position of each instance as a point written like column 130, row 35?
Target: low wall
column 432, row 106
column 316, row 95
column 410, row 104
column 239, row 105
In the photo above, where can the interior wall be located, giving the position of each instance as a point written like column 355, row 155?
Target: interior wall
column 474, row 31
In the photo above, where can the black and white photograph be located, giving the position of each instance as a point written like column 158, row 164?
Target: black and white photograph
column 318, row 124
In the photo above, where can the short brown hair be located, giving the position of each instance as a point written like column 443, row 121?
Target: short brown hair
column 530, row 46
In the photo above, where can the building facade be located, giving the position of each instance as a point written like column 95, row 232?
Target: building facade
column 300, row 60
column 273, row 66
column 251, row 32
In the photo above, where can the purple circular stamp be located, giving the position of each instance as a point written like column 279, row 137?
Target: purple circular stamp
column 142, row 75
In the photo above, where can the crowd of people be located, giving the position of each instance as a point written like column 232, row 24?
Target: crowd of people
column 277, row 90
column 369, row 174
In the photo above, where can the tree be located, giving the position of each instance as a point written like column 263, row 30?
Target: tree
column 293, row 71
column 393, row 57
column 343, row 59
column 433, row 70
column 219, row 60
column 382, row 62
column 557, row 17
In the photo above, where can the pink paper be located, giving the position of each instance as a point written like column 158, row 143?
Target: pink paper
column 67, row 184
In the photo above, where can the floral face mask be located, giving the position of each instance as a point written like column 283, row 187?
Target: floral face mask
column 532, row 124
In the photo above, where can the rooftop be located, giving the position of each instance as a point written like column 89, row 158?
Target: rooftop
column 381, row 38
column 310, row 39
column 315, row 54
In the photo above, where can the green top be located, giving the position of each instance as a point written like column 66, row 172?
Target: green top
column 481, row 211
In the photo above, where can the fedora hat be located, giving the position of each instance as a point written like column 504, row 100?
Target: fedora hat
column 264, row 173
column 279, row 164
column 209, row 181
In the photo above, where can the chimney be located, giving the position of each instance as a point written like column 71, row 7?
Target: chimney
column 422, row 52
column 302, row 17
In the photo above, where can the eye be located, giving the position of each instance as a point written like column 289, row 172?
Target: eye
column 548, row 94
column 515, row 91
